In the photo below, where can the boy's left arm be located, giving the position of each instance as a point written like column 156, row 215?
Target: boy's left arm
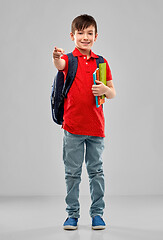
column 101, row 89
column 110, row 90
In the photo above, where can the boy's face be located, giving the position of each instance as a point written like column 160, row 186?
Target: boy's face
column 84, row 39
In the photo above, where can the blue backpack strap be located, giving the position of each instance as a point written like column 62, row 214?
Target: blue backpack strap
column 100, row 59
column 72, row 69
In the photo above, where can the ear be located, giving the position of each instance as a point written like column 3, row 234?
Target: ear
column 96, row 37
column 72, row 36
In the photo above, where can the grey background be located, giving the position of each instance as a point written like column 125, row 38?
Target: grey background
column 130, row 38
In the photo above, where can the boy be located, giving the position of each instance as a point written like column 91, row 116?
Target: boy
column 83, row 122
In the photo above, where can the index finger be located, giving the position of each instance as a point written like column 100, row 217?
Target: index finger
column 58, row 50
column 97, row 81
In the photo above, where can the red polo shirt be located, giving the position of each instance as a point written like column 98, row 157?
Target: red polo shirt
column 81, row 116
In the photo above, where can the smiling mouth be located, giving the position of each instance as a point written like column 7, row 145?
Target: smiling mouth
column 86, row 43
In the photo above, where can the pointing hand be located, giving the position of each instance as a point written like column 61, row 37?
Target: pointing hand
column 57, row 53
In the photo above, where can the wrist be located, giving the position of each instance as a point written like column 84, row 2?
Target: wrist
column 60, row 64
column 57, row 59
column 107, row 90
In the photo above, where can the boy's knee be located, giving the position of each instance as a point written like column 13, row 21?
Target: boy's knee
column 73, row 173
column 95, row 172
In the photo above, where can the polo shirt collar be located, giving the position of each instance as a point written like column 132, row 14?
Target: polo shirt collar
column 77, row 53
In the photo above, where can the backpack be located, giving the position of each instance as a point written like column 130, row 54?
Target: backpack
column 60, row 88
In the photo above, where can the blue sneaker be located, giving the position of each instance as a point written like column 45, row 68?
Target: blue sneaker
column 98, row 223
column 70, row 224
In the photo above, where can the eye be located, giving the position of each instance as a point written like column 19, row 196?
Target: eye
column 90, row 33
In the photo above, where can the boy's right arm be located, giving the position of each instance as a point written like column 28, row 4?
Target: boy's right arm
column 58, row 62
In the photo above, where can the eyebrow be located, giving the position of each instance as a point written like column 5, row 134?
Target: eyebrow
column 83, row 30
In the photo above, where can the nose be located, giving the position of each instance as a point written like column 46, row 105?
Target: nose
column 85, row 36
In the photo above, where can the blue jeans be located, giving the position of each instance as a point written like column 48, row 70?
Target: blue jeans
column 74, row 149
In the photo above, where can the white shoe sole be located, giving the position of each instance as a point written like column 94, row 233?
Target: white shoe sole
column 69, row 227
column 98, row 227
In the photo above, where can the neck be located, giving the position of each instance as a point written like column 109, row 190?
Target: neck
column 85, row 52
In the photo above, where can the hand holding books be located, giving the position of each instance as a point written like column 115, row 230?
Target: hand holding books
column 99, row 77
column 99, row 89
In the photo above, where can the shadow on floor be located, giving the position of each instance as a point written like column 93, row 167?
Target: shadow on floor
column 84, row 232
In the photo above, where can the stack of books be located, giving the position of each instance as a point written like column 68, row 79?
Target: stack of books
column 100, row 75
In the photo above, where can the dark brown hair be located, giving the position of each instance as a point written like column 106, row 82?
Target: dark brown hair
column 83, row 21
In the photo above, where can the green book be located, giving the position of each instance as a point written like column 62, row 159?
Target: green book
column 102, row 74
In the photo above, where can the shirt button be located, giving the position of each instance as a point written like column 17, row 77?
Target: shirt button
column 84, row 57
column 86, row 63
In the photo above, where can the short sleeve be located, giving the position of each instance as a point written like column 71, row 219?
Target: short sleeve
column 108, row 71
